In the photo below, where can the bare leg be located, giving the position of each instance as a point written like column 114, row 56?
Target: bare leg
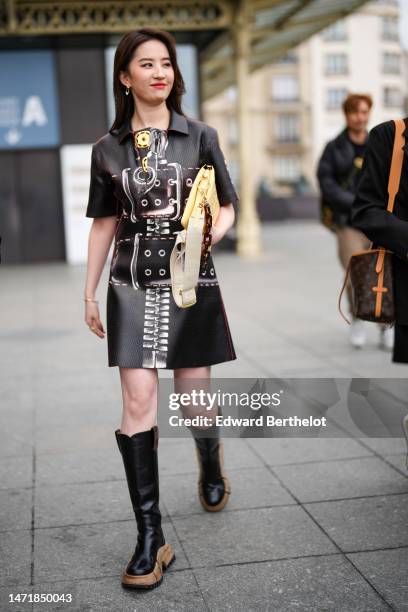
column 213, row 485
column 139, row 394
column 202, row 372
column 185, row 379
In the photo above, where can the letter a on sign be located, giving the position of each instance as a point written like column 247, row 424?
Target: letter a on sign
column 34, row 112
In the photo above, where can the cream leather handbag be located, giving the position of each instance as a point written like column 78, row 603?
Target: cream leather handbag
column 186, row 254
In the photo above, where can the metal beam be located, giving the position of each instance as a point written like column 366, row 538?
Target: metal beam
column 259, row 5
column 222, row 40
column 299, row 31
column 327, row 19
column 278, row 25
column 50, row 17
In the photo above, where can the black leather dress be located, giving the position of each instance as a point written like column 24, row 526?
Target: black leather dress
column 144, row 178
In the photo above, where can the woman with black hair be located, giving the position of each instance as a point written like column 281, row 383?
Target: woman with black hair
column 142, row 171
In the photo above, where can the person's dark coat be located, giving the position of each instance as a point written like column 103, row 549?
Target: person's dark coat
column 334, row 172
column 369, row 210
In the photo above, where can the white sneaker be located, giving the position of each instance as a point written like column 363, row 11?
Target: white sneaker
column 386, row 338
column 404, row 424
column 357, row 333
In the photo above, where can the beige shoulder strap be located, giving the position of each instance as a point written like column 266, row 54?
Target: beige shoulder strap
column 185, row 257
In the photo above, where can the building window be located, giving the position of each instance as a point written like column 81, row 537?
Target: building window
column 287, row 168
column 287, row 128
column 285, row 88
column 232, row 94
column 336, row 63
column 392, row 97
column 336, row 31
column 391, row 63
column 389, row 27
column 335, row 97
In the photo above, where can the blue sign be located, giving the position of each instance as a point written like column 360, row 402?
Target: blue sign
column 28, row 100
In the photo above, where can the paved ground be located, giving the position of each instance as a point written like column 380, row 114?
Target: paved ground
column 312, row 525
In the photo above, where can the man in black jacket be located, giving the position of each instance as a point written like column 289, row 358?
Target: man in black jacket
column 338, row 174
column 341, row 162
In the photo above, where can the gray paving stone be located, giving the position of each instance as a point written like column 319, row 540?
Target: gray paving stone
column 364, row 524
column 7, row 605
column 16, row 472
column 398, row 461
column 309, row 584
column 250, row 488
column 15, row 507
column 10, row 355
column 81, row 466
column 178, row 456
column 16, row 393
column 341, row 479
column 69, row 437
column 15, row 558
column 68, row 408
column 250, row 535
column 298, row 360
column 83, row 503
column 278, row 451
column 92, row 551
column 369, row 363
column 16, row 432
column 75, row 379
column 56, row 406
column 386, row 446
column 177, row 592
column 387, row 571
column 239, row 454
column 325, row 371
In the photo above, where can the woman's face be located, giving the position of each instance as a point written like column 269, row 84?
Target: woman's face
column 150, row 65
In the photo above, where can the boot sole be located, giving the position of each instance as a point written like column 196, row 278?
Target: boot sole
column 165, row 557
column 227, row 485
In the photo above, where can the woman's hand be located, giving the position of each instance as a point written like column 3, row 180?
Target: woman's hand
column 216, row 235
column 225, row 220
column 92, row 319
column 100, row 238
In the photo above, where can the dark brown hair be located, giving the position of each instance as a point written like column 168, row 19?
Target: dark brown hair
column 350, row 104
column 124, row 105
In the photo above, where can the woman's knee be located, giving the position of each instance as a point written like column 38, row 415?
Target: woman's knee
column 199, row 372
column 139, row 393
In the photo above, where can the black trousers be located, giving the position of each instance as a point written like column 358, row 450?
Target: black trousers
column 400, row 354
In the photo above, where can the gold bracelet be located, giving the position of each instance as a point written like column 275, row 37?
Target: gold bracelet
column 86, row 299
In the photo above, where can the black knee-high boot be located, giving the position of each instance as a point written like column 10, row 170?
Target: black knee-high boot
column 214, row 487
column 152, row 555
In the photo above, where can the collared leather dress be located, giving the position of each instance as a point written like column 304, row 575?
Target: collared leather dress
column 144, row 178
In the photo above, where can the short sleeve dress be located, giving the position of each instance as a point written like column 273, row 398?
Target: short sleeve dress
column 144, row 179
